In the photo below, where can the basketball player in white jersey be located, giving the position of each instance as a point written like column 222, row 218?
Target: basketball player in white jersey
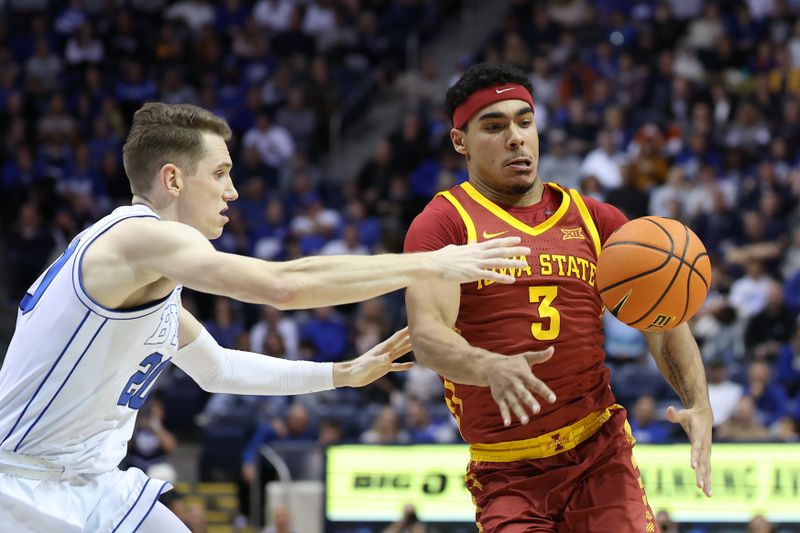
column 97, row 328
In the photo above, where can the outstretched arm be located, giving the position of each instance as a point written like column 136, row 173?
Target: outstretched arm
column 217, row 369
column 432, row 312
column 178, row 252
column 678, row 358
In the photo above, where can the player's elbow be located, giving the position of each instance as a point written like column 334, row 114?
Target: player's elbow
column 208, row 385
column 280, row 292
column 284, row 296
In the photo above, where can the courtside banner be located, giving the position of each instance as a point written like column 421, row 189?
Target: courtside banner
column 373, row 483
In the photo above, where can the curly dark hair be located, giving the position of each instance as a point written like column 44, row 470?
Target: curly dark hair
column 479, row 77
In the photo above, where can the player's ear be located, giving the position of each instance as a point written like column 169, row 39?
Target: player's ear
column 170, row 179
column 457, row 137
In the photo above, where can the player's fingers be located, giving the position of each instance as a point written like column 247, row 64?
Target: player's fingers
column 508, row 263
column 537, row 385
column 506, row 252
column 399, row 352
column 491, row 275
column 504, row 412
column 400, row 349
column 674, row 416
column 701, row 462
column 541, row 356
column 528, row 399
column 398, row 337
column 502, row 242
column 400, row 367
column 518, row 408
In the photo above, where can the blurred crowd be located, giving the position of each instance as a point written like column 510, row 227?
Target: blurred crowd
column 688, row 109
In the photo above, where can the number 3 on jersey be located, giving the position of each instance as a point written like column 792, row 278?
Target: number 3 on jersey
column 545, row 295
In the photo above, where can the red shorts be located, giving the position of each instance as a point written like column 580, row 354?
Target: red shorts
column 594, row 488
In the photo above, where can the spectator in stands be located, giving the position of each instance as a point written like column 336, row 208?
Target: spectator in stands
column 743, row 426
column 421, row 429
column 423, row 383
column 385, row 429
column 723, row 394
column 151, row 442
column 623, row 344
column 296, row 427
column 768, row 395
column 719, row 227
column 225, row 326
column 348, row 244
column 604, row 162
column 787, row 368
column 275, row 321
column 772, row 327
column 84, row 48
column 649, row 164
column 644, row 426
column 665, row 523
column 559, row 164
column 43, row 70
column 281, row 521
column 298, row 119
column 196, row 14
column 790, row 264
column 410, row 145
column 407, row 523
column 749, row 294
column 759, row 524
column 271, row 140
column 28, row 247
column 628, row 197
column 327, row 332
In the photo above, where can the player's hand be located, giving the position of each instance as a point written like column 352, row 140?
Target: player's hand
column 376, row 363
column 471, row 262
column 512, row 383
column 697, row 423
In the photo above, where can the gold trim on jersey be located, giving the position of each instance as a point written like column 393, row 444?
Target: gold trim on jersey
column 453, row 401
column 512, row 221
column 472, row 235
column 587, row 219
column 546, row 445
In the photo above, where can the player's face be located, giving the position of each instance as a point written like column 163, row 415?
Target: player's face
column 205, row 197
column 502, row 147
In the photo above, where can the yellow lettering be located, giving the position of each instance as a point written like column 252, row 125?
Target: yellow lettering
column 592, row 270
column 584, row 264
column 561, row 260
column 484, row 283
column 544, row 265
column 573, row 267
column 526, row 268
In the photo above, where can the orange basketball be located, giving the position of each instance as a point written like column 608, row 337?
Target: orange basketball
column 653, row 273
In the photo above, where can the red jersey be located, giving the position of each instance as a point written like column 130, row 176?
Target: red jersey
column 553, row 302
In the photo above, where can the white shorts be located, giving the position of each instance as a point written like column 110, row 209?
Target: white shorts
column 116, row 501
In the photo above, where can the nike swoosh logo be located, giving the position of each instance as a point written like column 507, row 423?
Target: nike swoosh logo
column 618, row 307
column 501, row 91
column 493, row 235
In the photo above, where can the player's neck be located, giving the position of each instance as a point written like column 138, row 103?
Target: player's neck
column 532, row 196
column 164, row 213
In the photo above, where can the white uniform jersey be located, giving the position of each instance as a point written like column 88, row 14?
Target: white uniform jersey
column 76, row 372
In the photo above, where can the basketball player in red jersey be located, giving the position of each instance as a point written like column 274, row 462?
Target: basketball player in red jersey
column 565, row 463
